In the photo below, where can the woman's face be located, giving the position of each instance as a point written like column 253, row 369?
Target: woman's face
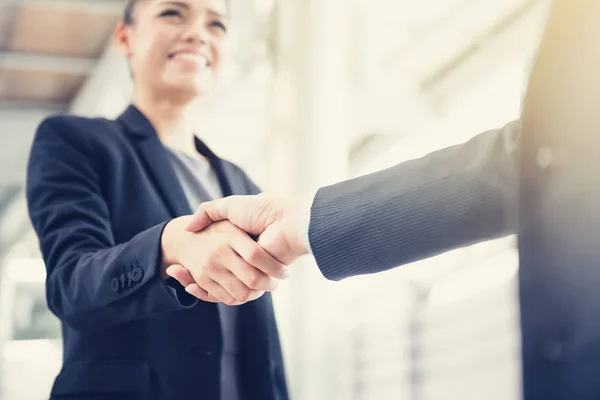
column 175, row 47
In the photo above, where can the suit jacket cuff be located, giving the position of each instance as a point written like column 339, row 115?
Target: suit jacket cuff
column 178, row 293
column 305, row 210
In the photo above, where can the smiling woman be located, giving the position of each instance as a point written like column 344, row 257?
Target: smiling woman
column 109, row 201
column 177, row 46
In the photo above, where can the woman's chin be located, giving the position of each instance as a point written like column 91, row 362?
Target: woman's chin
column 183, row 92
column 189, row 88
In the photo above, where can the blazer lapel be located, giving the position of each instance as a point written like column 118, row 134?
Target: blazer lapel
column 217, row 165
column 156, row 160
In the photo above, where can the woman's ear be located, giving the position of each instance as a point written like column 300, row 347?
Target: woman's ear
column 121, row 39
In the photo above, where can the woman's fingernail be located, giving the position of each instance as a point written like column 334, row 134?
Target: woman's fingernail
column 286, row 273
column 169, row 271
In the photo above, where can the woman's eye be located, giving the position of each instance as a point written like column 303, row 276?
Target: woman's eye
column 219, row 25
column 171, row 13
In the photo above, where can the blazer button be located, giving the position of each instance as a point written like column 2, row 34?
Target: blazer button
column 208, row 353
column 114, row 285
column 552, row 350
column 136, row 274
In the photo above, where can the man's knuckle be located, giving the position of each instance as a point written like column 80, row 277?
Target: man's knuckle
column 230, row 301
column 254, row 279
column 224, row 246
column 272, row 283
column 254, row 255
column 244, row 295
column 215, row 253
column 210, row 268
column 196, row 275
column 209, row 299
column 255, row 294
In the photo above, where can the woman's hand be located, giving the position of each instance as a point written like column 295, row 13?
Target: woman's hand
column 220, row 263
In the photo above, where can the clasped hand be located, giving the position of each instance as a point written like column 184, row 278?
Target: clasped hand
column 214, row 256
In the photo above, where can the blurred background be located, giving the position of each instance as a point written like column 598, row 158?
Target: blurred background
column 318, row 91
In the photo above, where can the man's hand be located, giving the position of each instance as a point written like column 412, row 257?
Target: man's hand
column 220, row 263
column 276, row 221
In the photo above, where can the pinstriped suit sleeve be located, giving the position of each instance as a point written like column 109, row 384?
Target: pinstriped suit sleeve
column 448, row 199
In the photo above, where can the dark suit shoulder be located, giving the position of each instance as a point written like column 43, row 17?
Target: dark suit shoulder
column 76, row 128
column 82, row 141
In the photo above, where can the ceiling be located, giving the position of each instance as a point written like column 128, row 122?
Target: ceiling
column 49, row 48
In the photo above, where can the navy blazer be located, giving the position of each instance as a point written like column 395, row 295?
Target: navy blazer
column 100, row 193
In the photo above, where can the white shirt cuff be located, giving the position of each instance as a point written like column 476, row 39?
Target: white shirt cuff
column 305, row 210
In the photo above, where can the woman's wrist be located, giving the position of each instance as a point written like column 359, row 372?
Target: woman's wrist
column 167, row 246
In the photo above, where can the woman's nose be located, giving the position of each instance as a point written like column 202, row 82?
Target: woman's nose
column 197, row 33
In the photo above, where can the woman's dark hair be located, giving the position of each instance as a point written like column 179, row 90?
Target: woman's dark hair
column 129, row 9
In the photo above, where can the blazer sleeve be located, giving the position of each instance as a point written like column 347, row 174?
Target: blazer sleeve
column 92, row 282
column 448, row 199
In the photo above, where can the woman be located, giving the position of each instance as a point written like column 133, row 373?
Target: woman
column 106, row 199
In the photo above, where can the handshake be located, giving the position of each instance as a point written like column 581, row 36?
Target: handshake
column 235, row 249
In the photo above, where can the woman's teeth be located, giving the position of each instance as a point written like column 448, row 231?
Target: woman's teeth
column 191, row 57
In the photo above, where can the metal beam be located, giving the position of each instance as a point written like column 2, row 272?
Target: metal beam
column 8, row 19
column 107, row 7
column 38, row 62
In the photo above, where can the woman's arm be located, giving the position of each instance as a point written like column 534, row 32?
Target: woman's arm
column 93, row 282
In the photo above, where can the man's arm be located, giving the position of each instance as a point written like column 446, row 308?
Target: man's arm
column 448, row 199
